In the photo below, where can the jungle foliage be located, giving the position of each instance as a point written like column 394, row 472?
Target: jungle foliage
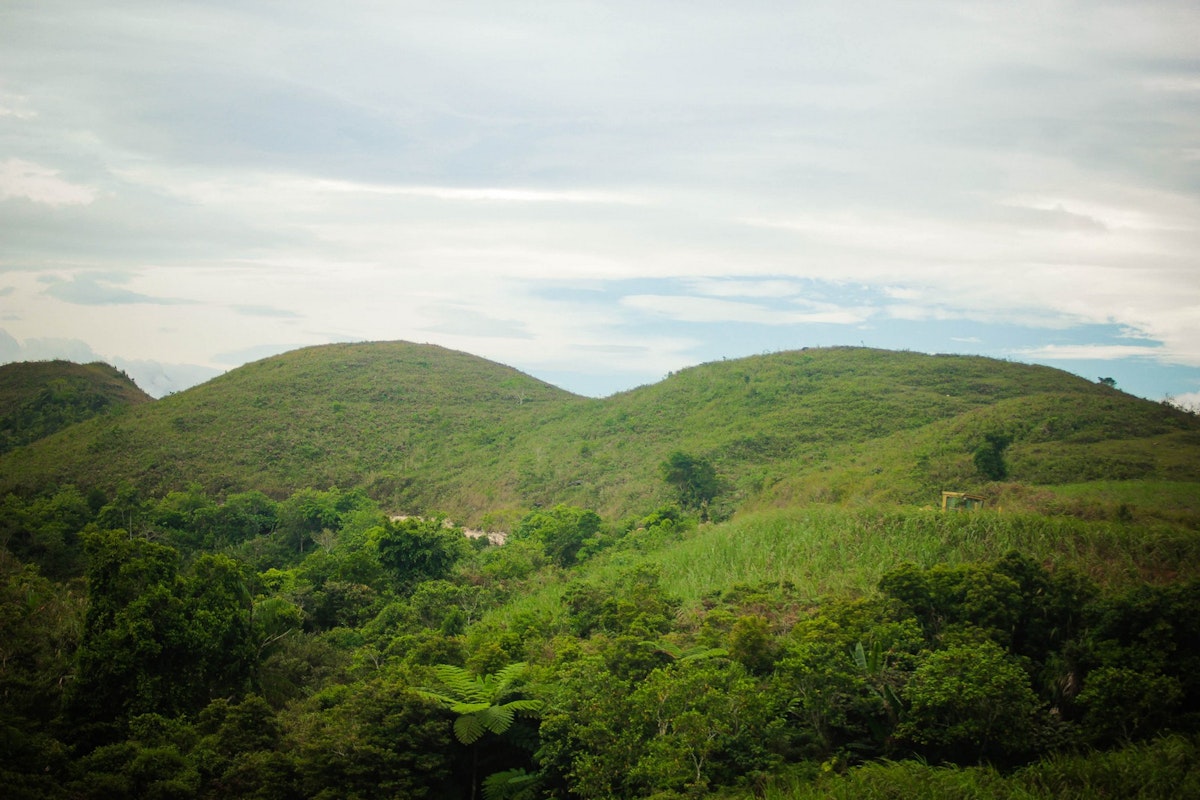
column 706, row 589
column 315, row 647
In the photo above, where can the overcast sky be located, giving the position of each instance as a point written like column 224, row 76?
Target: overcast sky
column 598, row 193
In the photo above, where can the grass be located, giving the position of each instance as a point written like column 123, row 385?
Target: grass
column 40, row 398
column 1162, row 769
column 836, row 551
column 426, row 429
column 831, row 551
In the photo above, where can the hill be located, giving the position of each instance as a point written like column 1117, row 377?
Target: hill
column 202, row 639
column 39, row 398
column 422, row 428
column 365, row 414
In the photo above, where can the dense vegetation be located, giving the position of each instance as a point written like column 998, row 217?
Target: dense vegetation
column 259, row 637
column 43, row 397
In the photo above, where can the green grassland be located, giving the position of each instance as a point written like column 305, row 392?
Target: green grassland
column 39, row 398
column 422, row 428
column 823, row 551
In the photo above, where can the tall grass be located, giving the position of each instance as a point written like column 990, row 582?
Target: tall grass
column 827, row 550
column 1163, row 769
column 835, row 551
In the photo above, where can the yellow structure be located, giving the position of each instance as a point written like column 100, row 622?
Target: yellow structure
column 961, row 501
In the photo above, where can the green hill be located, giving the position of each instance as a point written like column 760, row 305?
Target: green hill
column 367, row 414
column 39, row 398
column 214, row 622
column 422, row 428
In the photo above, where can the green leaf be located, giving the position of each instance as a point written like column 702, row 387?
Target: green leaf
column 468, row 728
column 860, row 657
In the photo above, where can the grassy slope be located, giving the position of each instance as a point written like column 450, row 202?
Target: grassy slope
column 848, row 424
column 833, row 551
column 365, row 414
column 425, row 428
column 40, row 398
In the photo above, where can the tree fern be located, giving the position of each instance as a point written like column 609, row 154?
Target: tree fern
column 477, row 699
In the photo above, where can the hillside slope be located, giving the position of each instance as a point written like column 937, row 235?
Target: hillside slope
column 851, row 424
column 40, row 398
column 349, row 415
column 422, row 428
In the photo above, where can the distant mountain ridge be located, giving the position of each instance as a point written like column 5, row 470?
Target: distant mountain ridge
column 40, row 398
column 423, row 428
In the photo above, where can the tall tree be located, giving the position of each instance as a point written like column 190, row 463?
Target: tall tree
column 694, row 480
column 416, row 550
column 155, row 641
column 562, row 531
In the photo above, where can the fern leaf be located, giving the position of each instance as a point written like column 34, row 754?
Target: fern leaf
column 507, row 784
column 496, row 719
column 460, row 682
column 509, row 675
column 468, row 728
column 699, row 652
column 527, row 708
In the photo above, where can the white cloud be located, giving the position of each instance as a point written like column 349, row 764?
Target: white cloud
column 767, row 287
column 16, row 113
column 1090, row 352
column 24, row 179
column 684, row 308
column 480, row 194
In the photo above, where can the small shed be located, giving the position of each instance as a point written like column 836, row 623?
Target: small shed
column 961, row 501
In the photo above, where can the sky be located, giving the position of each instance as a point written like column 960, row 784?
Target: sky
column 600, row 193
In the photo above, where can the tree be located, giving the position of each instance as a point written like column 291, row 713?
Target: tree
column 694, row 480
column 989, row 457
column 416, row 550
column 562, row 531
column 155, row 641
column 481, row 703
column 702, row 722
column 970, row 702
column 377, row 739
column 1121, row 704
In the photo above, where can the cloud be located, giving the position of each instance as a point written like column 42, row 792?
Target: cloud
column 29, row 181
column 1187, row 400
column 158, row 379
column 469, row 322
column 266, row 311
column 11, row 107
column 46, row 348
column 479, row 194
column 765, row 287
column 95, row 289
column 404, row 172
column 237, row 357
column 708, row 310
column 10, row 348
column 1091, row 352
